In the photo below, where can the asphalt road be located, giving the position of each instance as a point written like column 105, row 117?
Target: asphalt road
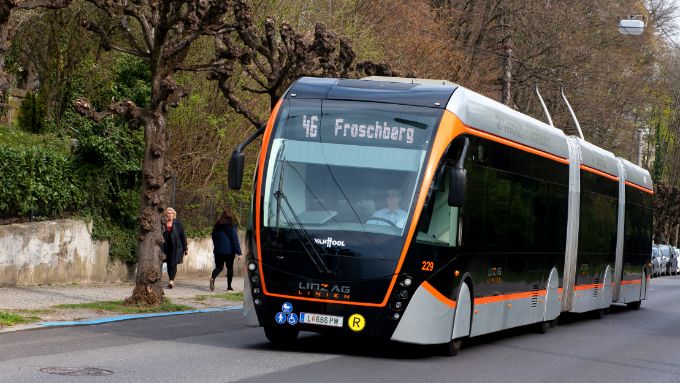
column 624, row 346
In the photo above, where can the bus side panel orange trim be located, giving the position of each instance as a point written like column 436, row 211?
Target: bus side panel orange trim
column 516, row 145
column 438, row 295
column 588, row 287
column 632, row 282
column 599, row 172
column 258, row 191
column 644, row 189
column 509, row 297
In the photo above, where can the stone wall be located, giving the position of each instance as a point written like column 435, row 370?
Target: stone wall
column 63, row 252
column 201, row 261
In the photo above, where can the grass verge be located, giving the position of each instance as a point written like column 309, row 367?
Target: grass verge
column 10, row 319
column 118, row 307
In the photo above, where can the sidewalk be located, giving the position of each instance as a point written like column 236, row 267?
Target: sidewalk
column 39, row 301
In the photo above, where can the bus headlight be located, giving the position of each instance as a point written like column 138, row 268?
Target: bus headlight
column 252, row 266
column 255, row 279
column 407, row 281
column 402, row 294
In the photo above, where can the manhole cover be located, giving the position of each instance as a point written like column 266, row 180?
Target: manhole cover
column 76, row 371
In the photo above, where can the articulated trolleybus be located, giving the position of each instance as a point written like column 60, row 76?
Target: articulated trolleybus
column 422, row 212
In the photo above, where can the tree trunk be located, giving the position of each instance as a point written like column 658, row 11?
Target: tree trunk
column 5, row 41
column 148, row 289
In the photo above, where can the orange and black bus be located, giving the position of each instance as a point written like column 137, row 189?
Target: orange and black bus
column 422, row 212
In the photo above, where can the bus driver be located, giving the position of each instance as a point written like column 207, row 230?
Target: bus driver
column 392, row 213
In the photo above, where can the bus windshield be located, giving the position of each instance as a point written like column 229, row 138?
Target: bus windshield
column 346, row 166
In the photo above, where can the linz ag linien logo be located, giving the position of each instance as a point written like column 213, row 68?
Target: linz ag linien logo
column 328, row 242
column 324, row 290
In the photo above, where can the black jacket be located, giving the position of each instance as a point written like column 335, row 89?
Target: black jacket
column 225, row 239
column 175, row 243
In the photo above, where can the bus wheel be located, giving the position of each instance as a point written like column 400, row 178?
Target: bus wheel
column 280, row 336
column 451, row 348
column 634, row 305
column 598, row 314
column 542, row 327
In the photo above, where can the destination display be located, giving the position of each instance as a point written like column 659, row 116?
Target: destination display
column 361, row 123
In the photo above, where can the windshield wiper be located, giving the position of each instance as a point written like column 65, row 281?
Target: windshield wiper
column 279, row 162
column 314, row 255
column 278, row 195
column 415, row 124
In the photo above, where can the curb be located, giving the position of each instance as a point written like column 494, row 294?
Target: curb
column 120, row 318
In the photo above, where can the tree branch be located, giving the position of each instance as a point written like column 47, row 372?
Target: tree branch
column 126, row 109
column 105, row 41
column 47, row 4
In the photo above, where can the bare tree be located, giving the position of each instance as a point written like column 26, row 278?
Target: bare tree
column 160, row 32
column 252, row 62
column 8, row 28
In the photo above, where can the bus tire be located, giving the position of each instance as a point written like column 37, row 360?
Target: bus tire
column 598, row 314
column 451, row 348
column 281, row 336
column 634, row 305
column 542, row 327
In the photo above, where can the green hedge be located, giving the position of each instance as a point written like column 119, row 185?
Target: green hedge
column 38, row 180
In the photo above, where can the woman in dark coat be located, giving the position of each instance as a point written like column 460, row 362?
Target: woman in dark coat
column 175, row 245
column 226, row 246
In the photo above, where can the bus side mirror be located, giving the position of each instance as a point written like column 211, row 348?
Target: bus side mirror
column 457, row 178
column 238, row 159
column 457, row 187
column 236, row 164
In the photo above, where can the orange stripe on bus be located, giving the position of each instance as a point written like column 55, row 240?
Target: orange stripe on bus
column 509, row 297
column 644, row 189
column 516, row 145
column 599, row 172
column 439, row 296
column 588, row 287
column 260, row 172
column 258, row 206
column 449, row 127
column 632, row 282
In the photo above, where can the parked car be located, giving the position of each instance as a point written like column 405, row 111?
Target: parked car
column 673, row 261
column 677, row 257
column 656, row 261
column 669, row 260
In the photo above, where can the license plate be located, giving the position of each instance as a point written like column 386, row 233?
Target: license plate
column 321, row 319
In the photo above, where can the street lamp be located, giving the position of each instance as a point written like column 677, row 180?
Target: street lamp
column 634, row 25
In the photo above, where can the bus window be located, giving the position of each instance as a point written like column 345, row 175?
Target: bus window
column 442, row 228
